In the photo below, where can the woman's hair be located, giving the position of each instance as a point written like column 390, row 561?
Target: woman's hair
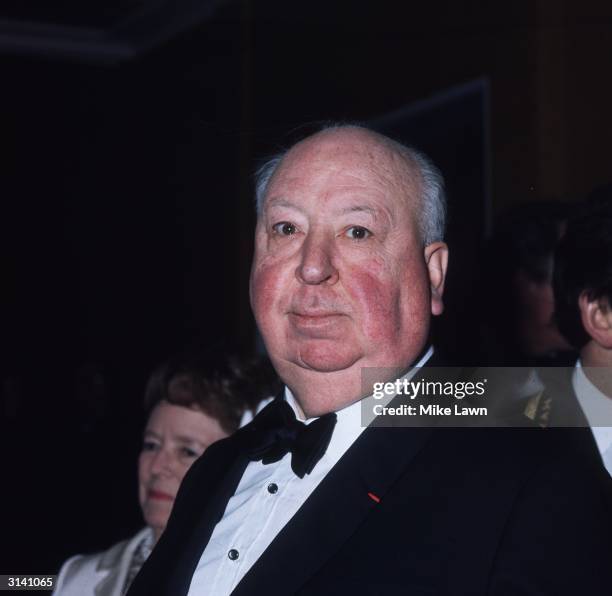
column 221, row 386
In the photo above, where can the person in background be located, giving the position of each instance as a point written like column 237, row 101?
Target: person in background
column 517, row 273
column 583, row 295
column 191, row 402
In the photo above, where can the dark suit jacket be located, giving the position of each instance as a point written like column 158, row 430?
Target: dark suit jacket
column 461, row 512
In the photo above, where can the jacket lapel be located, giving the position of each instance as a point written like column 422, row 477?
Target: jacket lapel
column 110, row 568
column 334, row 511
column 113, row 565
column 338, row 506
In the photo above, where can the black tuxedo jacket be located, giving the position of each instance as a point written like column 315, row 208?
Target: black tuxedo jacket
column 461, row 512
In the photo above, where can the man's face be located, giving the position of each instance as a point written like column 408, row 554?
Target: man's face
column 340, row 278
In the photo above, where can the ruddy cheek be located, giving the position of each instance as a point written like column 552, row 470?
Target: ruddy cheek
column 392, row 305
column 376, row 299
column 268, row 294
column 262, row 287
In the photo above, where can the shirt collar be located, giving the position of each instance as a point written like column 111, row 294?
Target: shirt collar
column 290, row 398
column 348, row 426
column 597, row 407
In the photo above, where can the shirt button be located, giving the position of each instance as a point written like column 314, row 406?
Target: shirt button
column 272, row 488
column 233, row 554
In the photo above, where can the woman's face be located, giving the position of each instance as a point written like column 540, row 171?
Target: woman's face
column 173, row 439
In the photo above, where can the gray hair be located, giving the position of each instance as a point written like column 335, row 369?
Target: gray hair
column 432, row 216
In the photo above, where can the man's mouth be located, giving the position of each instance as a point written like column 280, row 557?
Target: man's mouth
column 315, row 321
column 314, row 315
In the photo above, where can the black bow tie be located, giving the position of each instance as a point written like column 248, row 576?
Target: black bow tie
column 275, row 431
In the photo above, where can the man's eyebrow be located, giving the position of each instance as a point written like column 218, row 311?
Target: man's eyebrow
column 278, row 201
column 281, row 203
column 359, row 209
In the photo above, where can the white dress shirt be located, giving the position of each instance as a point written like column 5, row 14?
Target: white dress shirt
column 597, row 408
column 266, row 498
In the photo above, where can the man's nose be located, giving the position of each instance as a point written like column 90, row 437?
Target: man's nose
column 317, row 261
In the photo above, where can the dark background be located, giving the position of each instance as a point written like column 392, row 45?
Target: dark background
column 129, row 132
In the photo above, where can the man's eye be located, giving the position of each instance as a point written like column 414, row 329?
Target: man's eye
column 284, row 228
column 358, row 233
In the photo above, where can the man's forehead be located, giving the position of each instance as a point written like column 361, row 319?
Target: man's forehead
column 346, row 142
column 348, row 157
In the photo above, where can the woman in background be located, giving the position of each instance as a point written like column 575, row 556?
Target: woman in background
column 191, row 403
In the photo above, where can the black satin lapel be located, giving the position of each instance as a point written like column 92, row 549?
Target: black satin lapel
column 334, row 511
column 199, row 505
column 340, row 503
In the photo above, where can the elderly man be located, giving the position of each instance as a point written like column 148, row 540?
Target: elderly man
column 349, row 266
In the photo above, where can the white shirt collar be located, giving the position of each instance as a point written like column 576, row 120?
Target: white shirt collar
column 348, row 426
column 597, row 407
column 290, row 398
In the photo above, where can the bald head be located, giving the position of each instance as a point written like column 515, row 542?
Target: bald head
column 420, row 180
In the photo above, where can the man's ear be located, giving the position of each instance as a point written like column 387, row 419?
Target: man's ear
column 597, row 319
column 436, row 259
